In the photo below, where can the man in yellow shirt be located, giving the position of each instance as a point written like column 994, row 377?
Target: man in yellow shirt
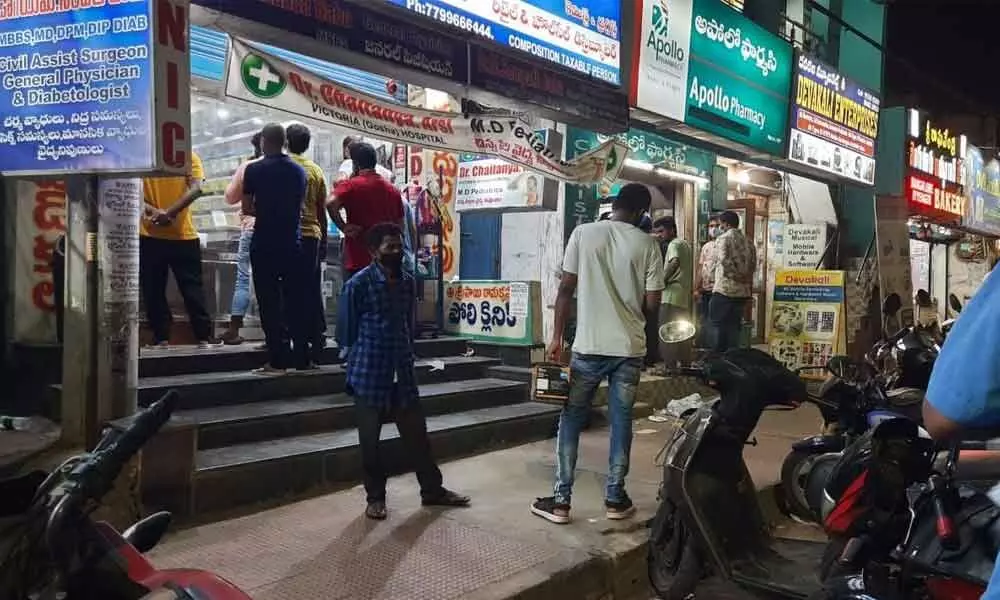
column 313, row 227
column 168, row 241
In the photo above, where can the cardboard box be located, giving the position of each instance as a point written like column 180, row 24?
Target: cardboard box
column 550, row 383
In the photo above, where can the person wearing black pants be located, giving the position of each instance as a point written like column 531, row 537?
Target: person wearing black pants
column 274, row 189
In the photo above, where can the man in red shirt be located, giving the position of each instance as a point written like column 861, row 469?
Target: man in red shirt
column 368, row 199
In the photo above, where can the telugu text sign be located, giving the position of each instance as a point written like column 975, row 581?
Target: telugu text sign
column 256, row 76
column 77, row 86
column 583, row 36
column 834, row 122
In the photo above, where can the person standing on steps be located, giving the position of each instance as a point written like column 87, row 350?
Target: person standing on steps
column 368, row 199
column 735, row 263
column 274, row 189
column 241, row 289
column 313, row 226
column 168, row 241
column 676, row 302
column 706, row 282
column 616, row 270
column 375, row 325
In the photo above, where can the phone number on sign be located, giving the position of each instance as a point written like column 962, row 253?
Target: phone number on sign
column 439, row 13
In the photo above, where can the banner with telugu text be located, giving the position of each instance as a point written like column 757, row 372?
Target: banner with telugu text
column 258, row 77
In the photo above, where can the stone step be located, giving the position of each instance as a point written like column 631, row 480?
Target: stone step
column 181, row 360
column 247, row 423
column 247, row 474
column 512, row 373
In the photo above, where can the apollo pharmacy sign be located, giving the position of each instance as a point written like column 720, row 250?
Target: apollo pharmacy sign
column 707, row 65
column 254, row 75
column 94, row 86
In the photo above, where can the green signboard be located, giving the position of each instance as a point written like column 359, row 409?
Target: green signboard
column 739, row 78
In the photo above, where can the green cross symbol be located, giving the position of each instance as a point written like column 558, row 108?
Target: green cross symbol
column 260, row 79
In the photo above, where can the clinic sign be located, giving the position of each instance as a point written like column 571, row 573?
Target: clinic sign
column 705, row 64
column 580, row 35
column 94, row 86
column 834, row 122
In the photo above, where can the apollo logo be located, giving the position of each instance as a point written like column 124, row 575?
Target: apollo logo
column 658, row 41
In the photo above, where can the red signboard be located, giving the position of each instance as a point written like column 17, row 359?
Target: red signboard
column 935, row 199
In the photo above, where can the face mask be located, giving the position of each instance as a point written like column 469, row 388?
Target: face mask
column 392, row 261
column 713, row 232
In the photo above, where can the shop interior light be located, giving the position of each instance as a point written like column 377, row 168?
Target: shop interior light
column 743, row 177
column 638, row 165
column 222, row 113
column 682, row 176
column 914, row 123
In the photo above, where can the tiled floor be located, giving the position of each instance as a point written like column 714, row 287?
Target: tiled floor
column 324, row 548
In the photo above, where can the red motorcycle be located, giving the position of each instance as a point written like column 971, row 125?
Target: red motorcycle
column 51, row 549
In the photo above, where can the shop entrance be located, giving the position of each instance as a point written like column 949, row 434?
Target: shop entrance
column 479, row 256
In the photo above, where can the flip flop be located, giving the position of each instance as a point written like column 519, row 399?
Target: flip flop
column 446, row 498
column 376, row 511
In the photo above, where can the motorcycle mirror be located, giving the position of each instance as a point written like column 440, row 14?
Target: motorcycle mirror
column 923, row 298
column 839, row 366
column 676, row 332
column 891, row 304
column 955, row 303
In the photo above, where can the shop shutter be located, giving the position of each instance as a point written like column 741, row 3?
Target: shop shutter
column 208, row 61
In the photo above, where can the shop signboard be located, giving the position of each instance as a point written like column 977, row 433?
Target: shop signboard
column 834, row 122
column 581, row 35
column 356, row 29
column 650, row 148
column 258, row 77
column 934, row 150
column 88, row 87
column 661, row 70
column 486, row 183
column 939, row 200
column 507, row 312
column 802, row 245
column 982, row 192
column 739, row 78
column 807, row 317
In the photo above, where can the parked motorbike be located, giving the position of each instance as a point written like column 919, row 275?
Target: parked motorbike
column 709, row 517
column 905, row 521
column 50, row 548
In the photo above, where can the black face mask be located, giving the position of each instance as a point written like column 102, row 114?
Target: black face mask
column 392, row 262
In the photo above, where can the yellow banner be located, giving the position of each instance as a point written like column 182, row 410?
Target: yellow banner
column 807, row 318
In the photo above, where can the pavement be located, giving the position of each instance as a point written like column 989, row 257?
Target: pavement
column 323, row 547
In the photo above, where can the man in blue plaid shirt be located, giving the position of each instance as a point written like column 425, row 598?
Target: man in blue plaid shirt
column 375, row 325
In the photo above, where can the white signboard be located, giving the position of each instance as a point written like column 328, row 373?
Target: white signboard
column 803, row 245
column 664, row 52
column 491, row 183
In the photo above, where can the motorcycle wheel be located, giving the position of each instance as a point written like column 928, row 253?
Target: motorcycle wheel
column 671, row 583
column 794, row 476
column 682, row 584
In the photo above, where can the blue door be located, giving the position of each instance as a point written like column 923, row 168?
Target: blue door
column 479, row 252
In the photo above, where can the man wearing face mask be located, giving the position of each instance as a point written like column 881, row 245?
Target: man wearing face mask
column 376, row 322
column 706, row 281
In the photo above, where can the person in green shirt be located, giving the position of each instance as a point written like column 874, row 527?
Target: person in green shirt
column 676, row 301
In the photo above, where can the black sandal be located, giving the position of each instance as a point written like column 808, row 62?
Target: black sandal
column 446, row 498
column 376, row 511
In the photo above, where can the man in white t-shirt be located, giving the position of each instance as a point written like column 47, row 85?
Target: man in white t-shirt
column 347, row 166
column 616, row 271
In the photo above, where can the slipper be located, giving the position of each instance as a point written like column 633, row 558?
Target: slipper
column 376, row 511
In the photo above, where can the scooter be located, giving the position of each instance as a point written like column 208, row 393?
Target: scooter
column 50, row 548
column 709, row 517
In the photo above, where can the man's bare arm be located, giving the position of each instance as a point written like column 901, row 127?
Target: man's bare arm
column 564, row 304
column 194, row 192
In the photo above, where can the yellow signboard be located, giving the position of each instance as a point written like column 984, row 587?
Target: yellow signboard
column 807, row 318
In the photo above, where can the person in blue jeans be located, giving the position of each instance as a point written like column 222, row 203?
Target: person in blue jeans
column 616, row 271
column 241, row 288
column 964, row 391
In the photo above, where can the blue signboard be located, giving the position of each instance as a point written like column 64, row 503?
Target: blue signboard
column 584, row 36
column 354, row 28
column 982, row 188
column 76, row 88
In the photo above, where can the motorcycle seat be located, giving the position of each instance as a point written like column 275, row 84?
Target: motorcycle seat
column 905, row 396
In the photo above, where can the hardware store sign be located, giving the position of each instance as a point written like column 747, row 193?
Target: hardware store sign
column 256, row 76
column 86, row 87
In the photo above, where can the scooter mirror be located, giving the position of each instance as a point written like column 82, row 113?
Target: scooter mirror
column 891, row 304
column 840, row 366
column 923, row 298
column 676, row 332
column 955, row 303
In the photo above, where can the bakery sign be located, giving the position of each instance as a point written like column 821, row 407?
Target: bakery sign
column 834, row 122
column 935, row 150
column 935, row 198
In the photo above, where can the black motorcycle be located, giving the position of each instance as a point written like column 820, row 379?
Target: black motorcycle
column 905, row 521
column 709, row 519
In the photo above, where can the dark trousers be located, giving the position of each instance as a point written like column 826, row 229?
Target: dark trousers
column 705, row 336
column 312, row 295
column 652, row 340
column 726, row 315
column 280, row 302
column 183, row 257
column 412, row 428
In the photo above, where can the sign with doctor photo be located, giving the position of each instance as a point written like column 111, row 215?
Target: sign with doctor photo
column 492, row 184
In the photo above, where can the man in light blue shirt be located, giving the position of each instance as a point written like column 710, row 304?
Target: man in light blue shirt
column 964, row 391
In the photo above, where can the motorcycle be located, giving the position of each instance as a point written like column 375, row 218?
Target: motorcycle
column 51, row 549
column 905, row 521
column 709, row 517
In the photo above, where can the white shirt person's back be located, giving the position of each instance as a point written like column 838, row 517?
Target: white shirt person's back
column 615, row 263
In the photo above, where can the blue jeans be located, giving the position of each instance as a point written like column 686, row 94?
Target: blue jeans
column 726, row 316
column 587, row 371
column 241, row 290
